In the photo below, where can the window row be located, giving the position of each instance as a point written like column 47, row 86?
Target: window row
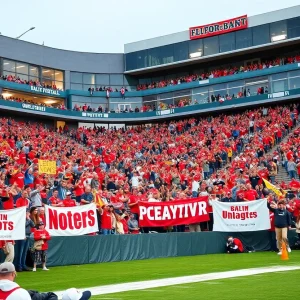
column 242, row 88
column 249, row 37
column 83, row 81
column 29, row 72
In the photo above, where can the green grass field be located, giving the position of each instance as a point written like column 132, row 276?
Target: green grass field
column 265, row 286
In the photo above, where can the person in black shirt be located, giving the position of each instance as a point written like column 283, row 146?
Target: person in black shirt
column 282, row 220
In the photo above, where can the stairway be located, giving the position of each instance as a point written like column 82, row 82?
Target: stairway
column 282, row 174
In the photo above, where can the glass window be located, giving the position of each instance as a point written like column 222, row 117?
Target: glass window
column 131, row 61
column 23, row 76
column 116, row 79
column 243, row 38
column 9, row 65
column 154, row 56
column 279, row 76
column 211, row 45
column 34, row 71
column 200, row 98
column 235, row 90
column 293, row 27
column 76, row 86
column 87, row 86
column 48, row 74
column 22, row 68
column 261, row 34
column 294, row 83
column 7, row 73
column 238, row 83
column 76, row 77
column 294, row 73
column 33, row 78
column 102, row 79
column 218, row 87
column 278, row 31
column 200, row 95
column 59, row 76
column 279, row 86
column 181, row 51
column 141, row 59
column 59, row 85
column 195, row 48
column 88, row 78
column 227, row 42
column 167, row 54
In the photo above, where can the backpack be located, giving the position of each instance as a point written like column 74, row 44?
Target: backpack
column 5, row 294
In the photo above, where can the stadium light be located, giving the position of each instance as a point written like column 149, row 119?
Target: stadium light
column 277, row 38
column 25, row 32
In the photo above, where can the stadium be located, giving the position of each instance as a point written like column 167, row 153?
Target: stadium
column 168, row 171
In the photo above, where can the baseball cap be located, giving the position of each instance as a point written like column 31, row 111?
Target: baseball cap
column 74, row 294
column 68, row 193
column 7, row 267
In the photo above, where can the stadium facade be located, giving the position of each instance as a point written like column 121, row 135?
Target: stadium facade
column 241, row 41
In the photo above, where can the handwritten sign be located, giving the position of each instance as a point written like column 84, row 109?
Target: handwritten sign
column 47, row 167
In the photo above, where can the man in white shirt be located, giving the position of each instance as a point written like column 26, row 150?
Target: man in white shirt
column 195, row 188
column 10, row 290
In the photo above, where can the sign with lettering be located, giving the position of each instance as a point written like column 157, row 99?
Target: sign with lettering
column 33, row 107
column 70, row 221
column 12, row 224
column 47, row 166
column 94, row 115
column 43, row 90
column 241, row 216
column 165, row 112
column 178, row 212
column 222, row 27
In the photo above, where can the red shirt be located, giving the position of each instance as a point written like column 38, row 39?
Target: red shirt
column 69, row 203
column 106, row 220
column 251, row 195
column 135, row 208
column 22, row 202
column 19, row 179
column 238, row 243
column 38, row 236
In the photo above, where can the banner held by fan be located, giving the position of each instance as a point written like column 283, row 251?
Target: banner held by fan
column 178, row 212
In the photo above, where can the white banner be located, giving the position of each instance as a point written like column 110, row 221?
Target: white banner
column 241, row 216
column 12, row 224
column 69, row 221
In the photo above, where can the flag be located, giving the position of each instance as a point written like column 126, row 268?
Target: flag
column 273, row 188
column 97, row 199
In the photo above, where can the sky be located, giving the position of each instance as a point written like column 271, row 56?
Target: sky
column 104, row 26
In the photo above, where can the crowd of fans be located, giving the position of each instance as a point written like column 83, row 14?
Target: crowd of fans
column 225, row 157
column 216, row 73
column 30, row 82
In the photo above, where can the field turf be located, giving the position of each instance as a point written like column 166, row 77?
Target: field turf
column 265, row 286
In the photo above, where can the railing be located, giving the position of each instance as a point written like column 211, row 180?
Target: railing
column 146, row 116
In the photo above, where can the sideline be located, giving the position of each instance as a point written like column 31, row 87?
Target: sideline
column 141, row 285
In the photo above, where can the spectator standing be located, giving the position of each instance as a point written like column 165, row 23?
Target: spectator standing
column 282, row 221
column 106, row 220
column 291, row 168
column 41, row 237
column 23, row 245
column 10, row 290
